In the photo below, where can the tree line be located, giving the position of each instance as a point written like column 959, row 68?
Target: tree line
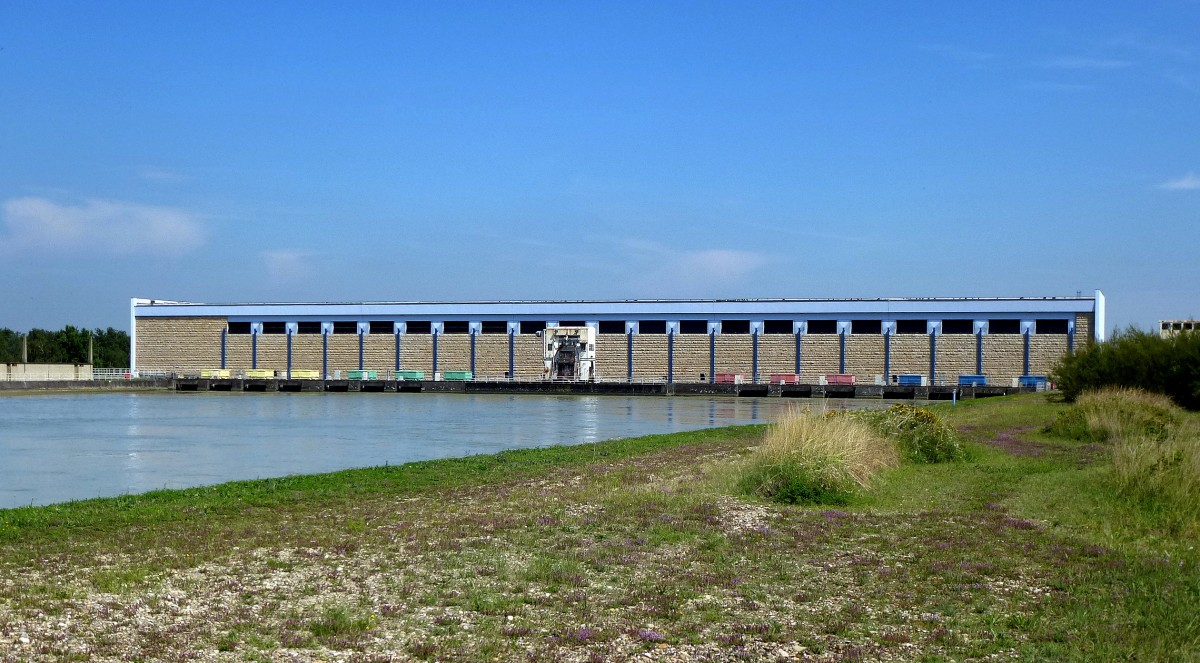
column 69, row 345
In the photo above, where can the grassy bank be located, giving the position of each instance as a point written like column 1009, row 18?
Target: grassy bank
column 1031, row 549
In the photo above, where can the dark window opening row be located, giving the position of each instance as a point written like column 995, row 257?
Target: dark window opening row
column 689, row 327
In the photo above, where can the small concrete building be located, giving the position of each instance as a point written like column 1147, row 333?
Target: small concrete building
column 1167, row 328
column 938, row 340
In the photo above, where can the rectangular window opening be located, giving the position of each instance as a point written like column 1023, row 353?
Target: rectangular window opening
column 456, row 327
column 274, row 327
column 1004, row 326
column 779, row 327
column 912, row 326
column 822, row 326
column 308, row 328
column 494, row 327
column 382, row 327
column 958, row 326
column 693, row 326
column 735, row 326
column 239, row 328
column 419, row 327
column 532, row 326
column 1050, row 327
column 572, row 323
column 866, row 327
column 652, row 326
column 612, row 326
column 343, row 327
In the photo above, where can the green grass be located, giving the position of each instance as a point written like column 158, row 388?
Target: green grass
column 1029, row 549
column 239, row 497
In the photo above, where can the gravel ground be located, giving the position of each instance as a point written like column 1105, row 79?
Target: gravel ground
column 645, row 559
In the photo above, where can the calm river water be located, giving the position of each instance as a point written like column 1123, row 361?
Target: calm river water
column 61, row 447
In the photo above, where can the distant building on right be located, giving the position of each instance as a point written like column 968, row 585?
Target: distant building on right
column 1172, row 327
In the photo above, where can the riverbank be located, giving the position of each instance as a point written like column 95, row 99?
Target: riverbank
column 614, row 550
column 42, row 386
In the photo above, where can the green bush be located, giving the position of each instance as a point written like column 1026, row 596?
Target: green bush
column 920, row 435
column 797, row 482
column 1138, row 360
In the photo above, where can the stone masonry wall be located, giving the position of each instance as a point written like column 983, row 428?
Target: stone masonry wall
column 379, row 353
column 343, row 354
column 454, row 352
column 529, row 358
column 306, row 352
column 819, row 356
column 650, row 357
column 864, row 357
column 910, row 354
column 776, row 354
column 416, row 353
column 691, row 357
column 735, row 355
column 612, row 355
column 491, row 356
column 956, row 354
column 1045, row 351
column 179, row 344
column 1084, row 322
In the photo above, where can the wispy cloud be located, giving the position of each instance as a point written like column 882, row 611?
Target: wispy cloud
column 110, row 226
column 1189, row 182
column 1074, row 62
column 286, row 266
column 672, row 272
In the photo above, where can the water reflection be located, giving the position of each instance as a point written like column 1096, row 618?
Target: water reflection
column 58, row 447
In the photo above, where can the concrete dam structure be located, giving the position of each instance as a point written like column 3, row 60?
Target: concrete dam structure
column 894, row 341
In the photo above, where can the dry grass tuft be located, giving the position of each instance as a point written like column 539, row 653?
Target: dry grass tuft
column 1155, row 448
column 808, row 458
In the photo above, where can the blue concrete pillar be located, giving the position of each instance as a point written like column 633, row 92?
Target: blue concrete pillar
column 472, row 354
column 932, row 358
column 799, row 340
column 842, row 351
column 289, row 355
column 979, row 352
column 253, row 349
column 1026, row 352
column 435, row 339
column 223, row 332
column 712, row 356
column 887, row 358
column 670, row 356
column 360, row 350
column 512, row 366
column 1071, row 341
column 754, row 357
column 324, row 355
column 397, row 351
column 629, row 355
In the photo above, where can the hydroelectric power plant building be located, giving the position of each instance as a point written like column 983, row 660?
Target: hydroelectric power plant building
column 928, row 341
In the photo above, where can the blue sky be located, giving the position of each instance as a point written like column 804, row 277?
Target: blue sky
column 228, row 152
